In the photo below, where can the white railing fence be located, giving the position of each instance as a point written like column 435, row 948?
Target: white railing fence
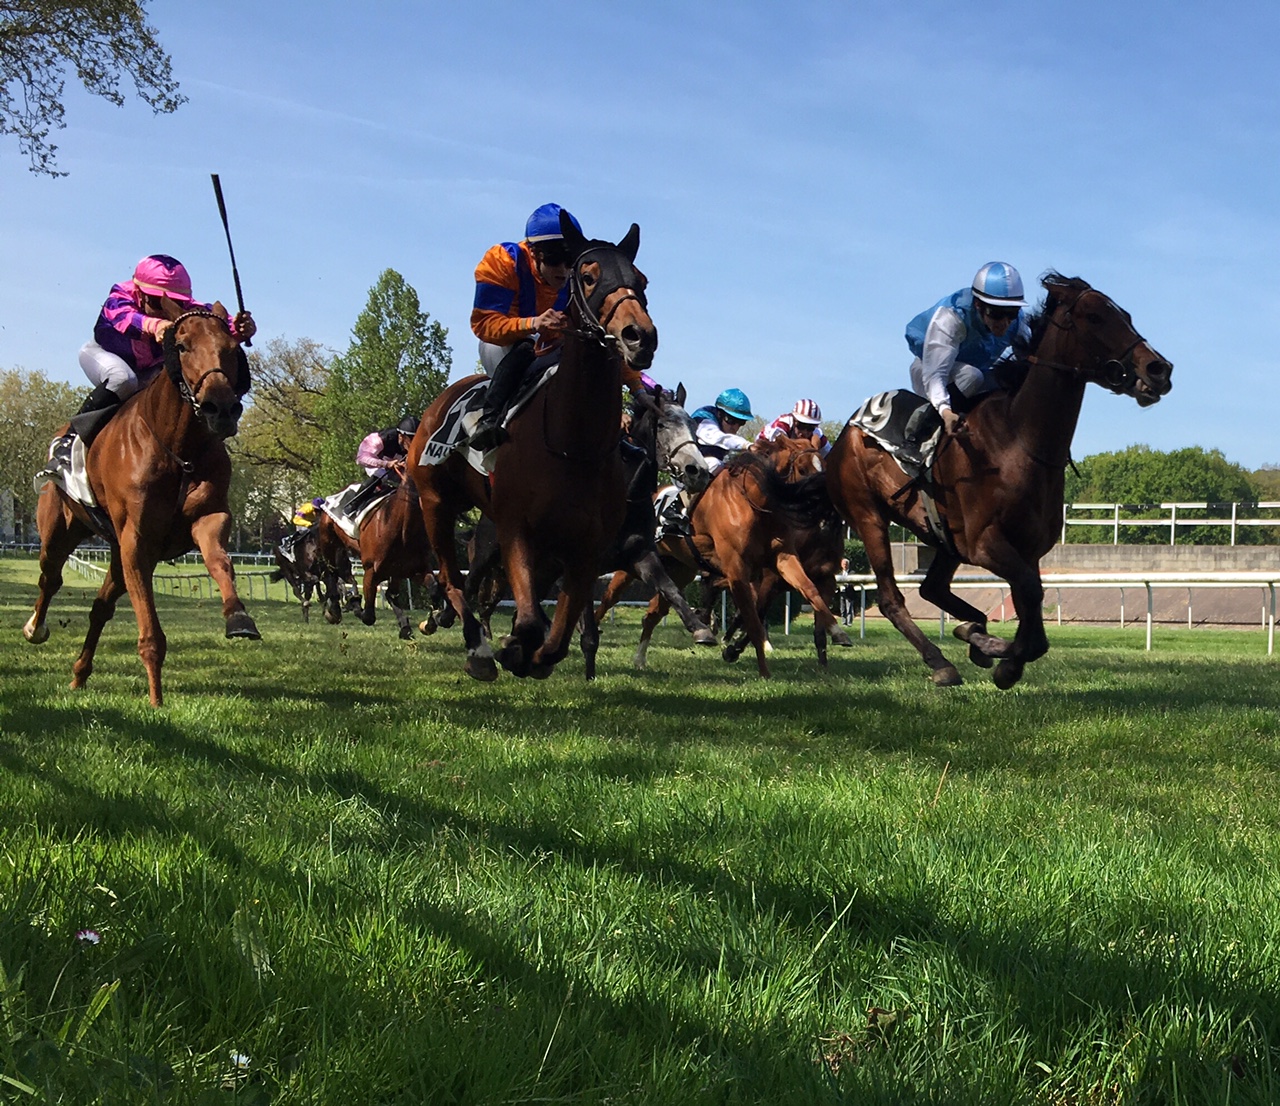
column 1233, row 516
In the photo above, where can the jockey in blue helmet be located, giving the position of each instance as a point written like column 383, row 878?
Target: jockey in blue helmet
column 956, row 343
column 716, row 427
column 522, row 289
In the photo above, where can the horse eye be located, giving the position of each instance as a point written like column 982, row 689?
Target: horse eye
column 180, row 347
column 588, row 278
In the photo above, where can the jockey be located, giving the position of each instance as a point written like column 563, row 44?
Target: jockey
column 305, row 516
column 126, row 350
column 715, row 428
column 382, row 455
column 522, row 290
column 957, row 341
column 803, row 421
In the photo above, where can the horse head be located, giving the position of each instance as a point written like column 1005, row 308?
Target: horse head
column 606, row 293
column 792, row 458
column 1112, row 352
column 208, row 367
column 676, row 451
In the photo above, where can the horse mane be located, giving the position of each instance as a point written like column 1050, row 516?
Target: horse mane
column 804, row 503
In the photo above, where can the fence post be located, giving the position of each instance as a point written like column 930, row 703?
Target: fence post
column 1147, row 584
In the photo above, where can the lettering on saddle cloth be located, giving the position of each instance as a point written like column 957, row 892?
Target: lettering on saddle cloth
column 335, row 506
column 460, row 420
column 884, row 417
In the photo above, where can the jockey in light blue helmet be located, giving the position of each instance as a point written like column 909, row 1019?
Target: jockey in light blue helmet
column 734, row 403
column 998, row 284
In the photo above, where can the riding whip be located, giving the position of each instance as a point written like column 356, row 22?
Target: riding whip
column 235, row 273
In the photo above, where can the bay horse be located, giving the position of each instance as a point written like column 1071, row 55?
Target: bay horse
column 662, row 433
column 392, row 547
column 752, row 527
column 998, row 484
column 160, row 474
column 558, row 491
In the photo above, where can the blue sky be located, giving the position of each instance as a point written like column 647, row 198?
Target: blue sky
column 807, row 177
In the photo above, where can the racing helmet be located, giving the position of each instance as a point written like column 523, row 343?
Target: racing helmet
column 734, row 402
column 998, row 284
column 408, row 425
column 162, row 275
column 807, row 411
column 544, row 224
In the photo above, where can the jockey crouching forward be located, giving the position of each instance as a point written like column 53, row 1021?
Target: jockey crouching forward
column 126, row 350
column 956, row 343
column 522, row 290
column 382, row 455
column 803, row 423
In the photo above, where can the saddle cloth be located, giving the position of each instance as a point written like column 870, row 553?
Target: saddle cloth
column 72, row 479
column 460, row 421
column 335, row 507
column 884, row 418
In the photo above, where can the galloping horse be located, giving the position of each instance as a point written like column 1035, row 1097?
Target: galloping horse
column 308, row 573
column 662, row 432
column 558, row 491
column 392, row 546
column 160, row 473
column 755, row 524
column 998, row 485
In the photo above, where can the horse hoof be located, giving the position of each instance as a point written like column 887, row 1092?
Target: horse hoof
column 840, row 637
column 542, row 671
column 704, row 637
column 368, row 619
column 946, row 676
column 241, row 625
column 964, row 630
column 979, row 657
column 482, row 669
column 446, row 618
column 428, row 627
column 1007, row 674
column 37, row 635
column 406, row 633
column 729, row 654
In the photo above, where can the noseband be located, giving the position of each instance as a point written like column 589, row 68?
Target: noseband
column 615, row 273
column 1116, row 374
column 173, row 351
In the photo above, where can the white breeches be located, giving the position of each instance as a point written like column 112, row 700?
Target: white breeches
column 969, row 381
column 108, row 370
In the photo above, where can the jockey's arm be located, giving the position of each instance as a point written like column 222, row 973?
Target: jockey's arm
column 941, row 345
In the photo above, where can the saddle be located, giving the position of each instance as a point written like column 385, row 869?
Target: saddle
column 460, row 419
column 884, row 418
column 69, row 473
column 335, row 506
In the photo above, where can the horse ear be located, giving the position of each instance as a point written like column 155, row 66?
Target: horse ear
column 220, row 311
column 681, row 394
column 574, row 238
column 630, row 244
column 170, row 309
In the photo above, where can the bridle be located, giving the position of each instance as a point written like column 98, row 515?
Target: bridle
column 615, row 274
column 1117, row 374
column 173, row 351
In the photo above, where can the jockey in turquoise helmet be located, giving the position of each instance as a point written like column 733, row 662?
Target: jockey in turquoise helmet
column 716, row 427
column 958, row 340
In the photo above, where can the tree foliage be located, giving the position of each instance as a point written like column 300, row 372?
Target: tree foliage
column 397, row 363
column 32, row 409
column 101, row 40
column 1140, row 477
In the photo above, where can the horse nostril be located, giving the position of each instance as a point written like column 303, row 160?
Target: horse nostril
column 631, row 334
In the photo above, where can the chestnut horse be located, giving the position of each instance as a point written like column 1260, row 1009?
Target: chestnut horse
column 558, row 492
column 392, row 547
column 757, row 523
column 160, row 473
column 998, row 484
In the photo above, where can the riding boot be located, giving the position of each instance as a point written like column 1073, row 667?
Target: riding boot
column 363, row 495
column 919, row 426
column 93, row 415
column 489, row 432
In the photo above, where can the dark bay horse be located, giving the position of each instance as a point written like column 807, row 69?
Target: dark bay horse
column 558, row 490
column 308, row 573
column 392, row 547
column 160, row 473
column 662, row 433
column 999, row 482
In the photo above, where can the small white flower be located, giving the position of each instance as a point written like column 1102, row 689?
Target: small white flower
column 89, row 937
column 240, row 1061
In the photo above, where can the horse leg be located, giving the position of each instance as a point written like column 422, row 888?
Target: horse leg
column 875, row 537
column 104, row 607
column 612, row 593
column 137, row 571
column 654, row 613
column 210, row 533
column 1030, row 641
column 574, row 601
column 648, row 566
column 589, row 640
column 792, row 571
column 528, row 629
column 971, row 625
column 60, row 533
column 303, row 592
column 402, row 619
column 439, row 525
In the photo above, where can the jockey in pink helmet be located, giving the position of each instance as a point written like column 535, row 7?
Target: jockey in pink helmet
column 803, row 421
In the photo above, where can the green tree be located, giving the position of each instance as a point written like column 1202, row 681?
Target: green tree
column 397, row 363
column 100, row 39
column 32, row 409
column 1141, row 477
